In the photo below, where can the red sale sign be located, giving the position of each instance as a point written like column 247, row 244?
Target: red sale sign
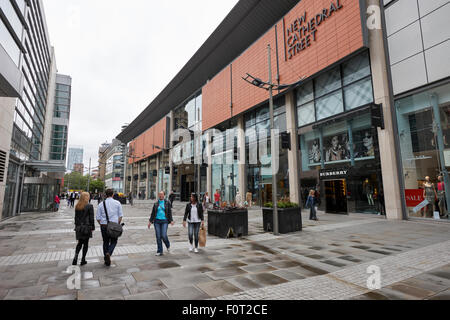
column 414, row 197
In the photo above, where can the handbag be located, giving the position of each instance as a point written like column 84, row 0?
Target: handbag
column 113, row 229
column 202, row 237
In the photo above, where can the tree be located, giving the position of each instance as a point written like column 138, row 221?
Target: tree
column 75, row 181
column 97, row 185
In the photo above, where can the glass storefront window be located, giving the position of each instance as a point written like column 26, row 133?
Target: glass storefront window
column 328, row 82
column 358, row 94
column 306, row 114
column 329, row 105
column 424, row 132
column 356, row 68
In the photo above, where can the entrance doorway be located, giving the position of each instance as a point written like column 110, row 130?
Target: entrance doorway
column 336, row 196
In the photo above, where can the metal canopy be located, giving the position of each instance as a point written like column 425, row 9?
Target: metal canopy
column 47, row 166
column 246, row 22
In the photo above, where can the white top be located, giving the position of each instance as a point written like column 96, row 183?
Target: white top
column 114, row 211
column 194, row 215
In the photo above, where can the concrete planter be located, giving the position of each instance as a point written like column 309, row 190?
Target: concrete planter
column 223, row 223
column 289, row 220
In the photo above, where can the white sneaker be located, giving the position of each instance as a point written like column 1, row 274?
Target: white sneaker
column 196, row 250
column 191, row 248
column 168, row 251
column 158, row 254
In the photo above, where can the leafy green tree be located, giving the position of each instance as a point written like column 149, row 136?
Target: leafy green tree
column 97, row 185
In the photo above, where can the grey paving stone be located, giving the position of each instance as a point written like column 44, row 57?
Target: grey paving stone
column 427, row 285
column 148, row 296
column 27, row 293
column 186, row 293
column 116, row 279
column 220, row 274
column 267, row 279
column 145, row 286
column 285, row 264
column 72, row 296
column 445, row 295
column 218, row 288
column 104, row 293
column 416, row 292
column 244, row 283
column 288, row 275
column 3, row 293
column 150, row 275
column 182, row 280
column 258, row 268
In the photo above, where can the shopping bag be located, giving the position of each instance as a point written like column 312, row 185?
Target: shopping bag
column 202, row 237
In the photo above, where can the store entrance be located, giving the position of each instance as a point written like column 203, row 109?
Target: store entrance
column 336, row 196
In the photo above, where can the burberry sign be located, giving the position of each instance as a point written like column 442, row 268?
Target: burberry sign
column 334, row 173
column 302, row 32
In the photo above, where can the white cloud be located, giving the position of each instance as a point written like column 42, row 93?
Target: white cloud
column 122, row 54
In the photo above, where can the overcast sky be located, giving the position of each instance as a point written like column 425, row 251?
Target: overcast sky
column 121, row 55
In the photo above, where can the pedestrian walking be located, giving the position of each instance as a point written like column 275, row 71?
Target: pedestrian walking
column 130, row 198
column 311, row 203
column 72, row 199
column 195, row 219
column 99, row 199
column 110, row 211
column 206, row 201
column 172, row 197
column 84, row 225
column 57, row 202
column 217, row 198
column 161, row 217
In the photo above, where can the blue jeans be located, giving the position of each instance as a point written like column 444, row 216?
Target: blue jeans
column 193, row 231
column 161, row 227
column 109, row 244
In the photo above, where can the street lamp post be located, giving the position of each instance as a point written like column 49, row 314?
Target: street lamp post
column 269, row 86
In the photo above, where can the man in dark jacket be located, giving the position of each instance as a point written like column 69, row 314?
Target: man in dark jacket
column 161, row 217
column 172, row 198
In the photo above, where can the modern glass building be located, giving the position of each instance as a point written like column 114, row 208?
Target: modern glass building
column 28, row 77
column 61, row 116
column 364, row 106
column 75, row 155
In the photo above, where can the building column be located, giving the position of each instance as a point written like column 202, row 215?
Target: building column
column 293, row 154
column 158, row 165
column 209, row 168
column 171, row 143
column 139, row 179
column 147, row 190
column 386, row 137
column 242, row 157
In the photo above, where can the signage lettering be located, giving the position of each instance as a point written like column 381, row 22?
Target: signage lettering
column 303, row 31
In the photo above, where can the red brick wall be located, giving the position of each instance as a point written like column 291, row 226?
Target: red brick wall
column 142, row 146
column 337, row 37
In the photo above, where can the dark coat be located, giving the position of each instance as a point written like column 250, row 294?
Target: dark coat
column 187, row 213
column 85, row 217
column 168, row 210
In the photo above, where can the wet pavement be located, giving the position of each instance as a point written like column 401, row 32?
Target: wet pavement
column 37, row 249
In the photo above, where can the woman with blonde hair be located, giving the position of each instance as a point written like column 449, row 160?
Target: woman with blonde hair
column 311, row 204
column 84, row 225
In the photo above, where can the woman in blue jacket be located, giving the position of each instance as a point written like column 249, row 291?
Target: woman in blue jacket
column 311, row 203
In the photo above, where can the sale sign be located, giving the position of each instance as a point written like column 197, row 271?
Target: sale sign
column 414, row 197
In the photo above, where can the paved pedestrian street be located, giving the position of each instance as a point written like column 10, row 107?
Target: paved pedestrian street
column 329, row 259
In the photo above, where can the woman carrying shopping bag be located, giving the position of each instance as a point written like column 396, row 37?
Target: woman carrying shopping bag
column 195, row 219
column 311, row 204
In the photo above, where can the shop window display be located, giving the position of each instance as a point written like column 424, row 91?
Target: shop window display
column 424, row 133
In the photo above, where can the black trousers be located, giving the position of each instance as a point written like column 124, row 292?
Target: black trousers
column 82, row 244
column 109, row 244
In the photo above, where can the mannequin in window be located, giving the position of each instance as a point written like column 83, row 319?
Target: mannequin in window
column 336, row 152
column 429, row 193
column 441, row 197
column 368, row 189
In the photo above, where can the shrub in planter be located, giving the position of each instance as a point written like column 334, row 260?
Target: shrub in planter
column 228, row 222
column 289, row 217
